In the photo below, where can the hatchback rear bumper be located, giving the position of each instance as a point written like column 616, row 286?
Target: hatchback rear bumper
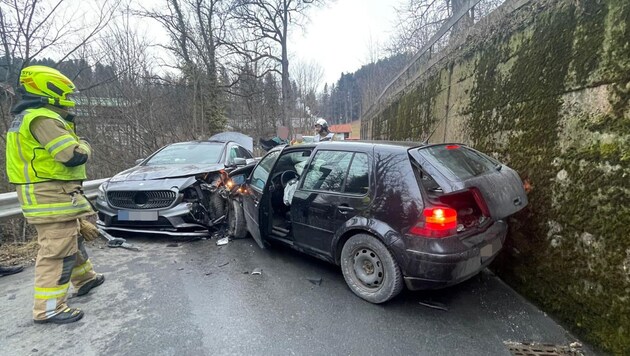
column 438, row 270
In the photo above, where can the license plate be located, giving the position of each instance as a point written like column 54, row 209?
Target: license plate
column 126, row 215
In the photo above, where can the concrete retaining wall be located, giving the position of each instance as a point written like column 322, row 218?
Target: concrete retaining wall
column 546, row 90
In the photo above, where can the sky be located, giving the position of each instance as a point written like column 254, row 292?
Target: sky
column 341, row 35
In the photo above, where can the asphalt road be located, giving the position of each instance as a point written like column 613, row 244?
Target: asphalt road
column 201, row 299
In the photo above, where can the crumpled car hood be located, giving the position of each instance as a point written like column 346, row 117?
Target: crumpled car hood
column 143, row 173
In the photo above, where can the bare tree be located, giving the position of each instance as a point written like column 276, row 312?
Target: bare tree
column 33, row 28
column 418, row 20
column 268, row 22
column 308, row 77
column 30, row 29
column 194, row 27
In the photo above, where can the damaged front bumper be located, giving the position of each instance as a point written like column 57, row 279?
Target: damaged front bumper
column 184, row 206
column 170, row 221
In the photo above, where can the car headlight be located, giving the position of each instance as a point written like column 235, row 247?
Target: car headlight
column 101, row 192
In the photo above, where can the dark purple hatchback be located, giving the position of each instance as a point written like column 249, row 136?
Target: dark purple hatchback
column 389, row 213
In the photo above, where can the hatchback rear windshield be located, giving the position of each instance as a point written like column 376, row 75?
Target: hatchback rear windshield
column 457, row 162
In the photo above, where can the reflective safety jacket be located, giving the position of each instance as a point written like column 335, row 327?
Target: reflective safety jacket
column 30, row 162
column 48, row 190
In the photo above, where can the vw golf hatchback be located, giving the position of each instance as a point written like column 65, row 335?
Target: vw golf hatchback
column 390, row 214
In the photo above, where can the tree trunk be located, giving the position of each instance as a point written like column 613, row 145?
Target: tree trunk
column 285, row 71
column 465, row 22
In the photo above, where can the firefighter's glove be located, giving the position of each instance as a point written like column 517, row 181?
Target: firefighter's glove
column 88, row 230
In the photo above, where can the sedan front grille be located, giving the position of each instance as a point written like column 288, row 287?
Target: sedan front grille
column 149, row 199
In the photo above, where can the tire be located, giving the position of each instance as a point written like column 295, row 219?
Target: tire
column 217, row 206
column 370, row 270
column 237, row 228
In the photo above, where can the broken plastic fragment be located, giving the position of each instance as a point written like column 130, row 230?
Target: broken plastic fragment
column 315, row 280
column 223, row 241
column 434, row 305
column 257, row 271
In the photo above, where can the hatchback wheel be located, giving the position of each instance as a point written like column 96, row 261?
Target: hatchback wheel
column 370, row 269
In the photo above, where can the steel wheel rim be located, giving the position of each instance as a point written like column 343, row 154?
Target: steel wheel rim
column 367, row 268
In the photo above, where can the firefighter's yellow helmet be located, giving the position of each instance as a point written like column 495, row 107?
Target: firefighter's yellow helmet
column 48, row 83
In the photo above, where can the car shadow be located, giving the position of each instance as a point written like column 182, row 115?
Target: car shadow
column 439, row 299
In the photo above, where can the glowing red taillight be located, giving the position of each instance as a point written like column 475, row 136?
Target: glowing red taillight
column 438, row 222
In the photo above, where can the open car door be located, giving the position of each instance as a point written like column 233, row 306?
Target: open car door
column 252, row 194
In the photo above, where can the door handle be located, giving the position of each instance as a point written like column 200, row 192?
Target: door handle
column 344, row 209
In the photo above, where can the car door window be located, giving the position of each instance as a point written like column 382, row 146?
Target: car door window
column 327, row 171
column 261, row 172
column 243, row 153
column 232, row 154
column 357, row 181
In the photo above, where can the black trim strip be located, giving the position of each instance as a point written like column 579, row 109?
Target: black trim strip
column 66, row 270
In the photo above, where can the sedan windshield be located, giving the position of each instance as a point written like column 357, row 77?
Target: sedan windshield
column 187, row 153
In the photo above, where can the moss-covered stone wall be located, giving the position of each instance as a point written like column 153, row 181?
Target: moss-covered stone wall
column 547, row 90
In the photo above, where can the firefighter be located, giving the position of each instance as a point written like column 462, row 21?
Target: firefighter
column 321, row 131
column 46, row 161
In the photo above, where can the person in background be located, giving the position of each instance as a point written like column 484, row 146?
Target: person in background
column 45, row 160
column 298, row 140
column 321, row 131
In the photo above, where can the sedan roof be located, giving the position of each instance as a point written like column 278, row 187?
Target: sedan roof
column 236, row 137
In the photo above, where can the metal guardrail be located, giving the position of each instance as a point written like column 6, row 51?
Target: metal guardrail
column 10, row 206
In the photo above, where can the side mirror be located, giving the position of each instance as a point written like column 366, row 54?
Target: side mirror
column 238, row 161
column 238, row 179
column 139, row 160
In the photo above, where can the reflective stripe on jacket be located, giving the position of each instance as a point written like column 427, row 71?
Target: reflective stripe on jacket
column 30, row 162
column 53, row 201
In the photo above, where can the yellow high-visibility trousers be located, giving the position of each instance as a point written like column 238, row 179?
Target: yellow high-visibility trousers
column 61, row 260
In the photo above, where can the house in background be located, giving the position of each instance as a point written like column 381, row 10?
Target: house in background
column 341, row 131
column 355, row 130
column 349, row 131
